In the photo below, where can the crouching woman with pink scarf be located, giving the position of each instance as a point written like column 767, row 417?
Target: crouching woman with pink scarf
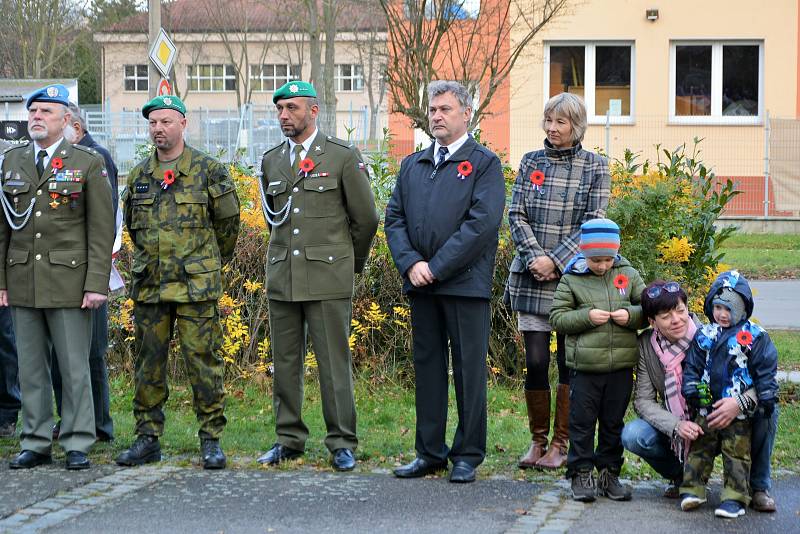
column 663, row 434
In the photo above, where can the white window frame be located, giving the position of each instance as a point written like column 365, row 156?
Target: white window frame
column 589, row 78
column 278, row 80
column 716, row 117
column 339, row 78
column 136, row 78
column 228, row 72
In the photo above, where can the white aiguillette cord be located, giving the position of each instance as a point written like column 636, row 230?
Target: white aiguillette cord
column 282, row 214
column 8, row 209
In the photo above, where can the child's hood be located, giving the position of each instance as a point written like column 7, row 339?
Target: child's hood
column 577, row 265
column 737, row 282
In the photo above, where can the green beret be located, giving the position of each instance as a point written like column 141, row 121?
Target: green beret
column 293, row 89
column 164, row 102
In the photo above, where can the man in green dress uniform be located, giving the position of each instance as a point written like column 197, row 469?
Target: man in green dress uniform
column 55, row 260
column 182, row 213
column 322, row 218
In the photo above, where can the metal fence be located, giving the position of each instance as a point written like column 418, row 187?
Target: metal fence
column 762, row 160
column 244, row 133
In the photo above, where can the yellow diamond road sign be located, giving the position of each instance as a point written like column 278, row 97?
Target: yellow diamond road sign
column 163, row 53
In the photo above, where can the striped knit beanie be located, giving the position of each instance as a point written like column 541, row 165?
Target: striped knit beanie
column 599, row 237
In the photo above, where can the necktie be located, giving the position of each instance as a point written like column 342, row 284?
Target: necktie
column 296, row 163
column 441, row 155
column 40, row 162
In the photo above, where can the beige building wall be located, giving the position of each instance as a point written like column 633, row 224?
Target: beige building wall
column 127, row 49
column 736, row 150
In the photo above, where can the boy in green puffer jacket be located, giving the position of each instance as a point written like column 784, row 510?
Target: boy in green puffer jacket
column 597, row 306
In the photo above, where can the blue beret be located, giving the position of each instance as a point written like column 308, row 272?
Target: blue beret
column 52, row 93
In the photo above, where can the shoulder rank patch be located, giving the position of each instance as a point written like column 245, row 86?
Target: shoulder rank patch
column 142, row 188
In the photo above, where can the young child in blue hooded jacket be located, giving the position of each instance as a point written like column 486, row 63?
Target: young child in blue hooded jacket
column 727, row 357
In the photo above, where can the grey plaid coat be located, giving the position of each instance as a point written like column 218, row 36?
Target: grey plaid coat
column 548, row 221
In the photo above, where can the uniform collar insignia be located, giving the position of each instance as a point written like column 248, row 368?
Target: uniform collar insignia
column 318, row 148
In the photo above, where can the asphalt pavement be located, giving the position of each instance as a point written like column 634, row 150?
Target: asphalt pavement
column 171, row 499
column 777, row 303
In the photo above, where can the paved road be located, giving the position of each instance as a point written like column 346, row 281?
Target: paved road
column 777, row 303
column 167, row 498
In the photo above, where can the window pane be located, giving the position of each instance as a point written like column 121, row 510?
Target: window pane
column 129, row 70
column 130, row 85
column 205, row 85
column 567, row 70
column 192, row 84
column 613, row 80
column 692, row 80
column 295, row 72
column 230, row 84
column 142, row 70
column 205, row 70
column 740, row 80
column 217, row 70
column 280, row 71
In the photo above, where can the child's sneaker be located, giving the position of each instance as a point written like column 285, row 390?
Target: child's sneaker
column 608, row 485
column 690, row 502
column 583, row 486
column 730, row 509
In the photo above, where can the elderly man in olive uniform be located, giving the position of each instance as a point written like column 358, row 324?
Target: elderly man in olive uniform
column 182, row 213
column 55, row 260
column 322, row 218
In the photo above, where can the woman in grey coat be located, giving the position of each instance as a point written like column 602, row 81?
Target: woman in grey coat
column 557, row 189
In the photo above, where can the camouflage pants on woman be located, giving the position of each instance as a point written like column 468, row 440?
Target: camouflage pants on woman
column 200, row 337
column 733, row 442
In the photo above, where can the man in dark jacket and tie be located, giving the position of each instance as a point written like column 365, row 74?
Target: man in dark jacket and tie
column 441, row 225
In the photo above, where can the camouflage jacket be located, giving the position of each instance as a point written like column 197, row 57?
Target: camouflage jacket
column 64, row 249
column 182, row 234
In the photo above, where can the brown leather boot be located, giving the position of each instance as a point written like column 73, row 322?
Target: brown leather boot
column 538, row 402
column 556, row 455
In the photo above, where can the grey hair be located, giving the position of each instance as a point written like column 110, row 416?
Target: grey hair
column 440, row 87
column 573, row 108
column 77, row 116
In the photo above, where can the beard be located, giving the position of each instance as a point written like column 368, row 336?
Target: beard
column 38, row 135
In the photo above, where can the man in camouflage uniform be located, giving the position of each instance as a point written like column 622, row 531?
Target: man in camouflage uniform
column 182, row 213
column 322, row 218
column 55, row 260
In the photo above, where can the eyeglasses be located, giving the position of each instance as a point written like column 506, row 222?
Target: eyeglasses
column 669, row 287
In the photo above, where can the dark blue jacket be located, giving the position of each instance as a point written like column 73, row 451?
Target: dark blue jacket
column 732, row 364
column 450, row 221
column 111, row 168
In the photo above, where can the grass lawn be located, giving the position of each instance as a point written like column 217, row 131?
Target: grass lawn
column 386, row 429
column 764, row 256
column 788, row 344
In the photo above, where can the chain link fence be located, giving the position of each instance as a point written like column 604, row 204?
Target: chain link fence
column 230, row 133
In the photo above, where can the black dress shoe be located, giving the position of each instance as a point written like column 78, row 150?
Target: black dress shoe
column 419, row 468
column 462, row 472
column 28, row 459
column 278, row 453
column 145, row 450
column 343, row 460
column 77, row 460
column 213, row 457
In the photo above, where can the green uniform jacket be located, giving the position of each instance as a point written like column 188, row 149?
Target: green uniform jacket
column 328, row 233
column 604, row 348
column 61, row 252
column 182, row 234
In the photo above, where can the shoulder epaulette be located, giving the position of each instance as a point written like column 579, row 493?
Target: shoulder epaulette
column 16, row 145
column 87, row 149
column 340, row 142
column 273, row 148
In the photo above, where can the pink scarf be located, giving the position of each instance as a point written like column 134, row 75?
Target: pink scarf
column 671, row 356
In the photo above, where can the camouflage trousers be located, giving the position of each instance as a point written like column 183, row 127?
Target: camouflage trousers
column 200, row 337
column 734, row 444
